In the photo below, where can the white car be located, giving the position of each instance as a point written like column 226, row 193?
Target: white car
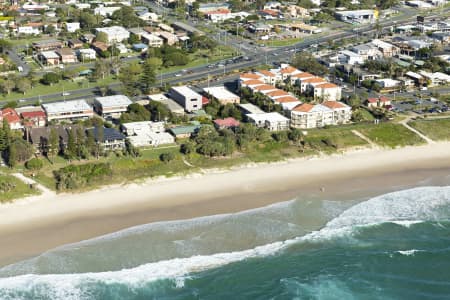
column 178, row 75
column 65, row 94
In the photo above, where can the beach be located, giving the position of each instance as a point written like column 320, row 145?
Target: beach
column 31, row 226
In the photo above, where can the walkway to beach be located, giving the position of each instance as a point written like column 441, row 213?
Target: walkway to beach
column 362, row 136
column 45, row 191
column 405, row 123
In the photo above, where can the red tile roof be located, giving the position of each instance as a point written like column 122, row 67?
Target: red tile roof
column 33, row 114
column 253, row 82
column 327, row 85
column 264, row 87
column 250, row 76
column 205, row 100
column 266, row 73
column 372, row 100
column 305, row 107
column 10, row 115
column 277, row 93
column 314, row 80
column 227, row 122
column 286, row 99
column 288, row 70
column 333, row 104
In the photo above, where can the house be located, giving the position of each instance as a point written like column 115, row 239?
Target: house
column 378, row 102
column 388, row 50
column 272, row 121
column 388, row 83
column 173, row 106
column 75, row 44
column 249, row 108
column 223, row 95
column 49, row 58
column 88, row 37
column 86, row 54
column 72, row 27
column 35, row 118
column 28, row 30
column 99, row 47
column 152, row 40
column 327, row 92
column 367, row 51
column 111, row 106
column 350, row 57
column 114, row 34
column 187, row 28
column 228, row 123
column 40, row 138
column 357, row 16
column 166, row 28
column 66, row 55
column 186, row 97
column 147, row 133
column 168, row 38
column 47, row 45
column 212, row 6
column 106, row 11
column 12, row 118
column 111, row 139
column 307, row 116
column 184, row 131
column 219, row 15
column 68, row 110
column 304, row 28
column 307, row 85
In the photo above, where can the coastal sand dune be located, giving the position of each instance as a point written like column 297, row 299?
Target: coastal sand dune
column 30, row 226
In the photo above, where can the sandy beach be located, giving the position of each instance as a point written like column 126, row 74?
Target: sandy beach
column 31, row 226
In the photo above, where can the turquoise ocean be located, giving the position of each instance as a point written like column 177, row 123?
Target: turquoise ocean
column 392, row 246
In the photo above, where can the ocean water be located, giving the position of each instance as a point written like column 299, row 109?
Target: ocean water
column 393, row 246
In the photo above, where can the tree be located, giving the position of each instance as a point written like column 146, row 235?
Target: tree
column 88, row 20
column 50, row 78
column 53, row 144
column 133, row 39
column 23, row 85
column 71, row 150
column 19, row 150
column 101, row 69
column 12, row 156
column 305, row 61
column 100, row 134
column 154, row 62
column 148, row 77
column 130, row 78
column 5, row 45
column 7, row 86
column 354, row 101
column 187, row 148
column 50, row 29
column 295, row 135
column 101, row 37
column 135, row 113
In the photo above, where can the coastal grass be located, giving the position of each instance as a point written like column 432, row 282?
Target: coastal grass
column 390, row 135
column 435, row 129
column 333, row 138
column 13, row 188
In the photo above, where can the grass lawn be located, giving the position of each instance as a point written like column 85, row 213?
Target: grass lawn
column 12, row 188
column 281, row 43
column 437, row 129
column 390, row 135
column 42, row 89
column 341, row 136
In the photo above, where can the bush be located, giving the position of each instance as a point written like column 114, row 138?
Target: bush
column 167, row 157
column 34, row 164
column 80, row 176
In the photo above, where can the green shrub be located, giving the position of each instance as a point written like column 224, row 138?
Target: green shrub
column 80, row 176
column 34, row 164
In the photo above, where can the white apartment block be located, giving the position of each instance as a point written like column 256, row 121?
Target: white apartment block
column 308, row 115
column 68, row 110
column 152, row 40
column 327, row 92
column 115, row 34
column 186, row 97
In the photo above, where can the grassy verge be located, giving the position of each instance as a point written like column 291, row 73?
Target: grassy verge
column 437, row 129
column 390, row 135
column 281, row 43
column 12, row 188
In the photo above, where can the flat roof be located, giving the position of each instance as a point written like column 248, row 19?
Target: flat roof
column 220, row 92
column 253, row 109
column 115, row 100
column 271, row 117
column 66, row 106
column 186, row 91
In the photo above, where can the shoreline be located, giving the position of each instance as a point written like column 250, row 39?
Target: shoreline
column 33, row 225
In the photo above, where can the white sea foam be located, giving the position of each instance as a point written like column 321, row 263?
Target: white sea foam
column 406, row 223
column 408, row 252
column 404, row 207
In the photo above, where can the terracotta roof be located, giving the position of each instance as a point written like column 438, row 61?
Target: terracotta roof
column 277, row 93
column 286, row 99
column 333, row 104
column 372, row 100
column 314, row 80
column 303, row 75
column 327, row 85
column 288, row 70
column 253, row 82
column 266, row 73
column 33, row 114
column 264, row 87
column 227, row 122
column 218, row 12
column 305, row 107
column 10, row 115
column 205, row 100
column 384, row 99
column 250, row 76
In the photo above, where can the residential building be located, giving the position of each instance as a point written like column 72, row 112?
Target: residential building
column 219, row 15
column 68, row 110
column 147, row 133
column 75, row 44
column 173, row 106
column 184, row 131
column 86, row 54
column 187, row 28
column 350, row 57
column 111, row 139
column 105, row 11
column 111, row 106
column 249, row 108
column 115, row 34
column 47, row 45
column 152, row 40
column 49, row 58
column 327, row 92
column 272, row 121
column 388, row 83
column 357, row 16
column 304, row 28
column 165, row 27
column 39, row 137
column 223, row 95
column 387, row 49
column 168, row 38
column 307, row 116
column 378, row 102
column 28, row 30
column 73, row 26
column 186, row 97
column 66, row 55
column 35, row 118
column 342, row 113
column 227, row 123
column 12, row 118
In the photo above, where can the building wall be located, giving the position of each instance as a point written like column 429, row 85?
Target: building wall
column 188, row 103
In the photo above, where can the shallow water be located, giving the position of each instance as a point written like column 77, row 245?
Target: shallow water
column 393, row 246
